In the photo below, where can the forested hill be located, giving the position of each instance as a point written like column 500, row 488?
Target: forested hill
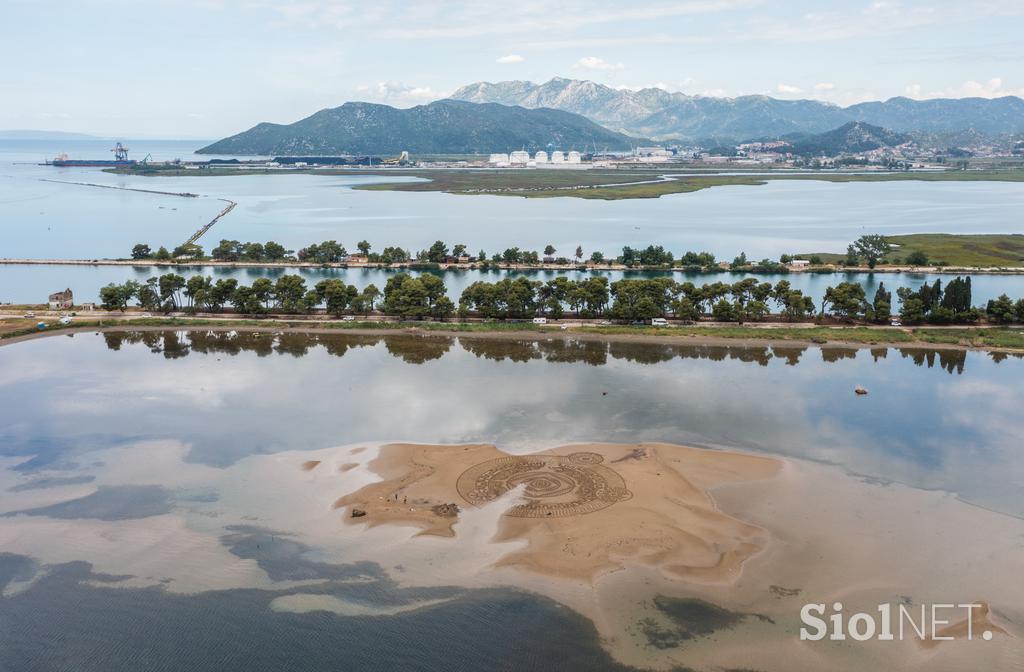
column 849, row 138
column 442, row 127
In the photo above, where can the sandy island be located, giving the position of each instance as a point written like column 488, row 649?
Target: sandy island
column 584, row 510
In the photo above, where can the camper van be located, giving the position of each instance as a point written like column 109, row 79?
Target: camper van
column 659, row 322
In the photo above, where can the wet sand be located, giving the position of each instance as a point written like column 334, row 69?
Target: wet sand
column 705, row 564
column 584, row 510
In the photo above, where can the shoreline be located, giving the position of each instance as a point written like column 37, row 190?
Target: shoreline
column 519, row 268
column 749, row 341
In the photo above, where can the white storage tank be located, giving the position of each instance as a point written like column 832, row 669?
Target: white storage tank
column 574, row 157
column 541, row 157
column 498, row 158
column 519, row 156
column 557, row 157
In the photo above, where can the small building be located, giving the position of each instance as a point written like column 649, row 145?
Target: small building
column 357, row 258
column 61, row 300
column 799, row 263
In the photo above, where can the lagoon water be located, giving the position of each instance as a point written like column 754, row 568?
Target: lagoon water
column 938, row 420
column 138, row 470
column 45, row 219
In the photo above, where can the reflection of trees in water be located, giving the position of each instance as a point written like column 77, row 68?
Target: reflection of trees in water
column 594, row 353
column 789, row 353
column 339, row 344
column 294, row 344
column 499, row 350
column 168, row 343
column 950, row 360
column 837, row 354
column 417, row 349
column 641, row 353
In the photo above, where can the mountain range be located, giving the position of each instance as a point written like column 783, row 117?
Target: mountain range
column 441, row 127
column 657, row 113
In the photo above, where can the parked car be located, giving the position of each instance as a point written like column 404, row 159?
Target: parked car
column 29, row 315
column 540, row 320
column 66, row 320
column 349, row 318
column 896, row 323
column 659, row 322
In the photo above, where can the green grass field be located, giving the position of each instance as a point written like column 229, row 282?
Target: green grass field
column 963, row 250
column 996, row 250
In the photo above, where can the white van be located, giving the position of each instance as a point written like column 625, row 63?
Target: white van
column 659, row 322
column 540, row 320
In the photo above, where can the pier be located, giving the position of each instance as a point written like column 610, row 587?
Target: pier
column 209, row 225
column 183, row 194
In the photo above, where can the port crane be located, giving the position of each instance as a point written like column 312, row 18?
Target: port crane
column 120, row 152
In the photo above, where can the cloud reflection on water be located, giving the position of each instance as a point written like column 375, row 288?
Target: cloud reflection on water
column 941, row 419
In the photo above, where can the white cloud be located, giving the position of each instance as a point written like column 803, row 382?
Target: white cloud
column 470, row 20
column 511, row 58
column 595, row 63
column 399, row 93
column 824, row 86
column 993, row 88
column 787, row 88
column 592, row 42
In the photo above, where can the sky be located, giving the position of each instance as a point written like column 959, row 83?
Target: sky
column 210, row 68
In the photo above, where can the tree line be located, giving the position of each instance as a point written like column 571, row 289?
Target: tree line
column 869, row 249
column 332, row 252
column 629, row 299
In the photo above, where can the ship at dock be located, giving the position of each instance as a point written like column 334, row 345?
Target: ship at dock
column 120, row 160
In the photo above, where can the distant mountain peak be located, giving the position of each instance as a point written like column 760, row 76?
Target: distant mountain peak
column 658, row 113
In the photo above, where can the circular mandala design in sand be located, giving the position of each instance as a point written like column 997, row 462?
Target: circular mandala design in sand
column 553, row 485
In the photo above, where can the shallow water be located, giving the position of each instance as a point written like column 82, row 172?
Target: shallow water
column 102, row 405
column 240, row 393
